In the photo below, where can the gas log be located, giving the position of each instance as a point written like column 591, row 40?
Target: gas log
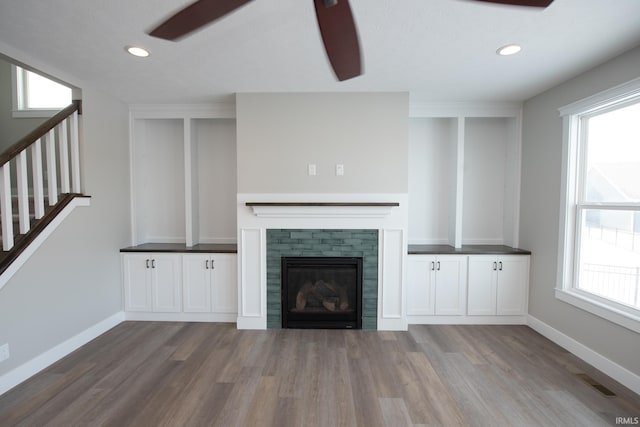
column 329, row 295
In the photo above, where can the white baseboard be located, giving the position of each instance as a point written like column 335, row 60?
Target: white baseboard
column 181, row 317
column 466, row 320
column 619, row 373
column 392, row 324
column 49, row 357
column 251, row 322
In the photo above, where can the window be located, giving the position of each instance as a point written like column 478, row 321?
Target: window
column 599, row 265
column 37, row 96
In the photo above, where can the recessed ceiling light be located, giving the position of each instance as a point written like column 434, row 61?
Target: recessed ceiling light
column 138, row 51
column 509, row 49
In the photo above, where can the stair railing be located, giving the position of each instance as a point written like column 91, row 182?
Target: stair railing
column 61, row 131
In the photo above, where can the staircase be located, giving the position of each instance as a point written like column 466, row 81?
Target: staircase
column 33, row 192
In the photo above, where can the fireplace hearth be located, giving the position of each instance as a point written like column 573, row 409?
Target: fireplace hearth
column 322, row 292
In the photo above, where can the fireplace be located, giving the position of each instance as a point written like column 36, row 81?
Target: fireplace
column 321, row 292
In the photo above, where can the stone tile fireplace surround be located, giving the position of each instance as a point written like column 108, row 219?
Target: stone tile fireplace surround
column 275, row 225
column 322, row 243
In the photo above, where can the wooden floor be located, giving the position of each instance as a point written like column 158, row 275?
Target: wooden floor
column 190, row 374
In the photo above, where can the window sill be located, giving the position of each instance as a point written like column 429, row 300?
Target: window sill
column 33, row 114
column 620, row 315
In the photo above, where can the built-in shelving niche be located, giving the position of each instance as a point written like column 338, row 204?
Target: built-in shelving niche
column 183, row 178
column 464, row 178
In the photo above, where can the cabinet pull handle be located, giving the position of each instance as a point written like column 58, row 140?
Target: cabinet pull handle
column 206, row 264
column 147, row 262
column 433, row 266
column 153, row 263
column 495, row 266
column 438, row 265
column 213, row 266
column 500, row 268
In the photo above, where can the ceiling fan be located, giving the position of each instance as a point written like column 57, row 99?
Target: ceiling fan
column 335, row 20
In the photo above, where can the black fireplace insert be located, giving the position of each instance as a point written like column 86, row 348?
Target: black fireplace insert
column 322, row 292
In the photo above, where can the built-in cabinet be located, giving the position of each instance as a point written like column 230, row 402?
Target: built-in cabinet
column 463, row 176
column 174, row 286
column 496, row 285
column 436, row 285
column 209, row 283
column 152, row 282
column 467, row 288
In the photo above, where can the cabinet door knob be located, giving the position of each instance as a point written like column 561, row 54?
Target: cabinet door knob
column 500, row 268
column 495, row 266
column 206, row 264
column 153, row 263
column 147, row 262
column 438, row 265
column 433, row 265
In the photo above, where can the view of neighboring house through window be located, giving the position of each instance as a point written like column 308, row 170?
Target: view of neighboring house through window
column 34, row 92
column 607, row 211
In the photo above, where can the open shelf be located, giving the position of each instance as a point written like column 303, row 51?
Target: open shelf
column 183, row 179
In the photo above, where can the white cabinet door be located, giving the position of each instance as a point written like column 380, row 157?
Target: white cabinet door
column 151, row 282
column 481, row 293
column 136, row 281
column 421, row 290
column 451, row 281
column 498, row 285
column 165, row 280
column 224, row 287
column 196, row 283
column 512, row 285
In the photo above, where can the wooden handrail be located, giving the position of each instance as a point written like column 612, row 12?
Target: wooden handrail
column 40, row 131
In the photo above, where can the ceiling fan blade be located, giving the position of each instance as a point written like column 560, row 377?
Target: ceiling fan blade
column 194, row 16
column 532, row 3
column 340, row 37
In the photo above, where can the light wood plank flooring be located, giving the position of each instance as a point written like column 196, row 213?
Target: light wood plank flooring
column 192, row 374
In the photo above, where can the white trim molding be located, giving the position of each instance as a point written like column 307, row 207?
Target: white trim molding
column 342, row 211
column 619, row 373
column 49, row 357
column 603, row 99
column 571, row 203
column 600, row 307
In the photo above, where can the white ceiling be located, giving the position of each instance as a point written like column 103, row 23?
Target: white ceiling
column 438, row 50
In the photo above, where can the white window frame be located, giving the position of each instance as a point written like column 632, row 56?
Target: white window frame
column 19, row 90
column 572, row 159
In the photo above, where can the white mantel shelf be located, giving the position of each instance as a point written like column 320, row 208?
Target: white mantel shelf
column 322, row 209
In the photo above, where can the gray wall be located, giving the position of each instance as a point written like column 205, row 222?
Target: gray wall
column 11, row 129
column 72, row 281
column 540, row 211
column 278, row 135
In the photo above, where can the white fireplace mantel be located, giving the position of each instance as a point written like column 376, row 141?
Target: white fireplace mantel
column 322, row 209
column 259, row 212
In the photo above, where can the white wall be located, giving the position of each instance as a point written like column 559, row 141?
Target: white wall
column 73, row 281
column 280, row 134
column 540, row 204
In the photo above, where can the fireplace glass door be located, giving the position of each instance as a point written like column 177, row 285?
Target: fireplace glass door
column 322, row 292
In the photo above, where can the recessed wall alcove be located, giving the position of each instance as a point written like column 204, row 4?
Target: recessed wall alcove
column 322, row 243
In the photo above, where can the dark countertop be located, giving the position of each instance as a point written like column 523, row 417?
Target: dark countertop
column 220, row 248
column 232, row 248
column 466, row 250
